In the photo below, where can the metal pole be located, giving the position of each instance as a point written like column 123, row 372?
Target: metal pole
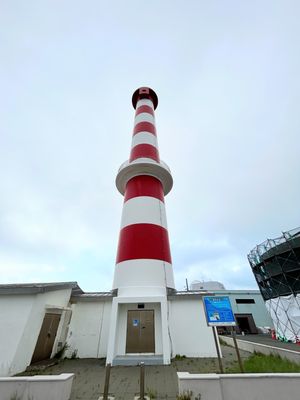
column 218, row 350
column 237, row 350
column 142, row 381
column 106, row 383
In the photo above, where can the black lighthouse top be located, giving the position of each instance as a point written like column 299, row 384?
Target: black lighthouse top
column 144, row 93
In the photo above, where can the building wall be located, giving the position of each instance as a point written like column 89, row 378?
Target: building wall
column 21, row 318
column 14, row 313
column 258, row 309
column 189, row 333
column 88, row 330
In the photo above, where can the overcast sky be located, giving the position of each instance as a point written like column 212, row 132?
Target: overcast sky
column 227, row 77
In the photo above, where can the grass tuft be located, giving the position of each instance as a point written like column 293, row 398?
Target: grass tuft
column 260, row 363
column 185, row 395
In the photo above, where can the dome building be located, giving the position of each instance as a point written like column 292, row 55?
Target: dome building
column 275, row 264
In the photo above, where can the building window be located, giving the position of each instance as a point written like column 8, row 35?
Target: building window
column 245, row 301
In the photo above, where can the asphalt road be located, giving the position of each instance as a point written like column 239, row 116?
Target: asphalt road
column 267, row 340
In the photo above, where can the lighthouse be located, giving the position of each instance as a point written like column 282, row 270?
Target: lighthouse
column 143, row 271
column 143, row 264
column 149, row 320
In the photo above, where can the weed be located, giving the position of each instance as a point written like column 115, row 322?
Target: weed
column 185, row 395
column 61, row 352
column 74, row 354
column 223, row 343
column 15, row 397
column 152, row 394
column 179, row 357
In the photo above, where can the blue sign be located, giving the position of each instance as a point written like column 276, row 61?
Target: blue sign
column 218, row 311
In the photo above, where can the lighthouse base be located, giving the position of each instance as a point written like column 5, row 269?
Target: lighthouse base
column 139, row 330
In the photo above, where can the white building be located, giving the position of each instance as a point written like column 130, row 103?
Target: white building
column 34, row 320
column 38, row 320
column 207, row 285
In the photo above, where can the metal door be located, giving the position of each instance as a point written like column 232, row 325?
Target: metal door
column 44, row 344
column 140, row 331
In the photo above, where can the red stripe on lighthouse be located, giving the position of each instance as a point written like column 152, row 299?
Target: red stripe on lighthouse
column 144, row 109
column 144, row 126
column 144, row 150
column 144, row 241
column 144, row 185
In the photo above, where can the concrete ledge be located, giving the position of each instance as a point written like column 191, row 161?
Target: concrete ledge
column 37, row 387
column 240, row 386
column 136, row 360
column 263, row 348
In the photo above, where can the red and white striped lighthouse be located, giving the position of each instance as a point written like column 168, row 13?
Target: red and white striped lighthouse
column 143, row 265
column 148, row 323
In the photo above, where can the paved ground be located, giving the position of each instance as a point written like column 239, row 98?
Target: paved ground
column 266, row 339
column 160, row 381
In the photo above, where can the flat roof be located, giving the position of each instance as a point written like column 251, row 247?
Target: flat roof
column 240, row 291
column 92, row 296
column 34, row 288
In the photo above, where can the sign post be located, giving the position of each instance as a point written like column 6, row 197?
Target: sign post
column 237, row 350
column 218, row 312
column 214, row 329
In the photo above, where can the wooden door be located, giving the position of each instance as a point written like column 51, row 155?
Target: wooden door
column 44, row 344
column 140, row 331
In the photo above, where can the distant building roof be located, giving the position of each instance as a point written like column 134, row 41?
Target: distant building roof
column 207, row 285
column 184, row 294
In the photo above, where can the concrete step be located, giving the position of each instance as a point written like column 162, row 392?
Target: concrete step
column 137, row 359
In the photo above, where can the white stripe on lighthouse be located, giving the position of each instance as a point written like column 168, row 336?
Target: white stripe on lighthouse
column 144, row 138
column 144, row 117
column 144, row 210
column 144, row 102
column 146, row 276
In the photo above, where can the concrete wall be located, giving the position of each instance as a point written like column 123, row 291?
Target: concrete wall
column 38, row 387
column 264, row 349
column 88, row 329
column 259, row 311
column 21, row 318
column 189, row 333
column 240, row 386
